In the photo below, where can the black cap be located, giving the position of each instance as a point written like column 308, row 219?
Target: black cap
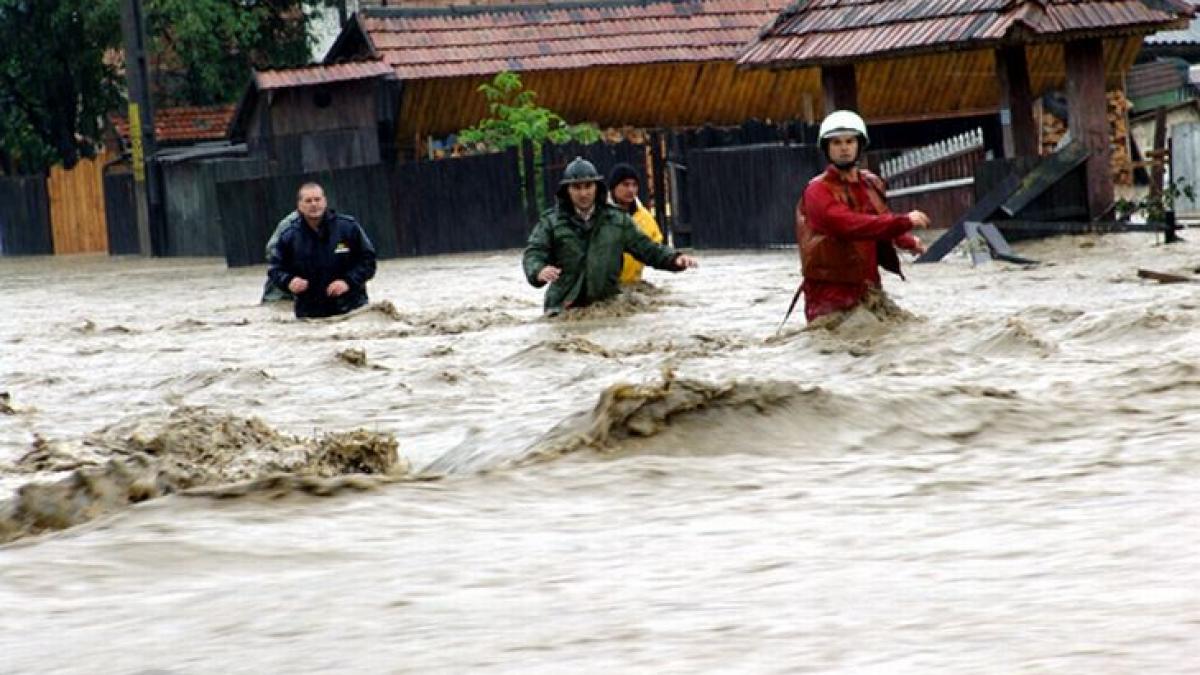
column 622, row 171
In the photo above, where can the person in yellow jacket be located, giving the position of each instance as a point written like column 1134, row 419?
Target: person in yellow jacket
column 623, row 187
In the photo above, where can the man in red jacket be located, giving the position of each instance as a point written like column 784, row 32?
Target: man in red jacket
column 843, row 226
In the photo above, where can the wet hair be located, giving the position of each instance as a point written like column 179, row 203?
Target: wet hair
column 308, row 186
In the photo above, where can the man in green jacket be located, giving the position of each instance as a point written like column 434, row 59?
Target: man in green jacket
column 577, row 246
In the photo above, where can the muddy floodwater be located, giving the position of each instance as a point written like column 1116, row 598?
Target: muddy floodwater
column 1009, row 482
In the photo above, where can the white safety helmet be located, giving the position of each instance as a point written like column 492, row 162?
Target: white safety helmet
column 840, row 123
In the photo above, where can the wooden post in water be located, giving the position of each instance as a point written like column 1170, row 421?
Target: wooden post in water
column 1016, row 102
column 1088, row 118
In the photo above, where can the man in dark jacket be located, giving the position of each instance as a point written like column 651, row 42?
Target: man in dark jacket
column 323, row 258
column 577, row 246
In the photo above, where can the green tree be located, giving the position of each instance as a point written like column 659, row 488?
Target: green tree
column 55, row 84
column 204, row 49
column 59, row 65
column 516, row 117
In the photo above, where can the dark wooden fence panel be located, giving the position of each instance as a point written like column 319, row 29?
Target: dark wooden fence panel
column 460, row 204
column 250, row 208
column 745, row 197
column 25, row 217
column 604, row 155
column 120, row 212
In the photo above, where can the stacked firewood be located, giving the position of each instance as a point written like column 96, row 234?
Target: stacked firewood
column 1118, row 125
column 627, row 133
column 1054, row 128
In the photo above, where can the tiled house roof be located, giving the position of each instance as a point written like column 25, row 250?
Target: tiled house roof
column 464, row 41
column 184, row 124
column 816, row 32
column 319, row 74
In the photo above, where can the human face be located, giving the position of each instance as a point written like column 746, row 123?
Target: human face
column 843, row 150
column 626, row 191
column 311, row 204
column 583, row 195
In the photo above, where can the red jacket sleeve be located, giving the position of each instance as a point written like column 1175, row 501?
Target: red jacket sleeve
column 827, row 215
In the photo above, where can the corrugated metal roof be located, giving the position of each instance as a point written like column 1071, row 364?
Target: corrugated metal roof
column 832, row 31
column 422, row 44
column 184, row 124
column 1186, row 36
column 319, row 74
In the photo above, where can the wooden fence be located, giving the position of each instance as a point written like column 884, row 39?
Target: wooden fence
column 1185, row 166
column 25, row 216
column 414, row 208
column 745, row 196
column 937, row 178
column 77, row 217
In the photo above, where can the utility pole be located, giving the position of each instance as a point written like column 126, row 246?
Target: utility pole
column 141, row 121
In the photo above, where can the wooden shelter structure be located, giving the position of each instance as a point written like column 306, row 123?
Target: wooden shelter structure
column 889, row 58
column 647, row 63
column 314, row 118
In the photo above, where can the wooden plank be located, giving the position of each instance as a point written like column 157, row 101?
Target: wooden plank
column 982, row 211
column 1045, row 175
column 77, row 217
column 1165, row 277
column 1030, row 229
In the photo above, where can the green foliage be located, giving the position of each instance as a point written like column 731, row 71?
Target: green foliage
column 56, row 86
column 205, row 49
column 54, row 83
column 516, row 117
column 1155, row 207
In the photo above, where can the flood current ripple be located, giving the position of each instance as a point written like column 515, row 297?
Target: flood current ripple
column 445, row 481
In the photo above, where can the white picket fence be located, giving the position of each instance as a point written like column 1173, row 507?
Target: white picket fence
column 1185, row 166
column 970, row 140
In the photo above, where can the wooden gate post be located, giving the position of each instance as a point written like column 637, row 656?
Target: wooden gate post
column 1088, row 118
column 1016, row 102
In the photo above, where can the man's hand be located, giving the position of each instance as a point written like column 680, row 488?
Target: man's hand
column 549, row 274
column 919, row 219
column 298, row 285
column 683, row 262
column 917, row 246
column 336, row 288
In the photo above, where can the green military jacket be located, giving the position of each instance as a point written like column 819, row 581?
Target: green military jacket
column 590, row 256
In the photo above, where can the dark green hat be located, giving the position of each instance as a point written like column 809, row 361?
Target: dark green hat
column 580, row 171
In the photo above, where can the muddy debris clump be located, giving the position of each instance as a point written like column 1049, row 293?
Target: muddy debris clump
column 627, row 411
column 188, row 450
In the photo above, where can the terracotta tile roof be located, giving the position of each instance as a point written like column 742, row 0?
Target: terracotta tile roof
column 184, row 124
column 832, row 31
column 319, row 74
column 460, row 41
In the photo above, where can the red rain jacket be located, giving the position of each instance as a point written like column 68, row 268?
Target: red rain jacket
column 846, row 233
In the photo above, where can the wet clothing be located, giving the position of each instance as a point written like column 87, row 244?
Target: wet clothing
column 631, row 269
column 271, row 292
column 845, row 233
column 589, row 253
column 337, row 249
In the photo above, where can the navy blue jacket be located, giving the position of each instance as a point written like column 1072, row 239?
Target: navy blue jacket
column 338, row 249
